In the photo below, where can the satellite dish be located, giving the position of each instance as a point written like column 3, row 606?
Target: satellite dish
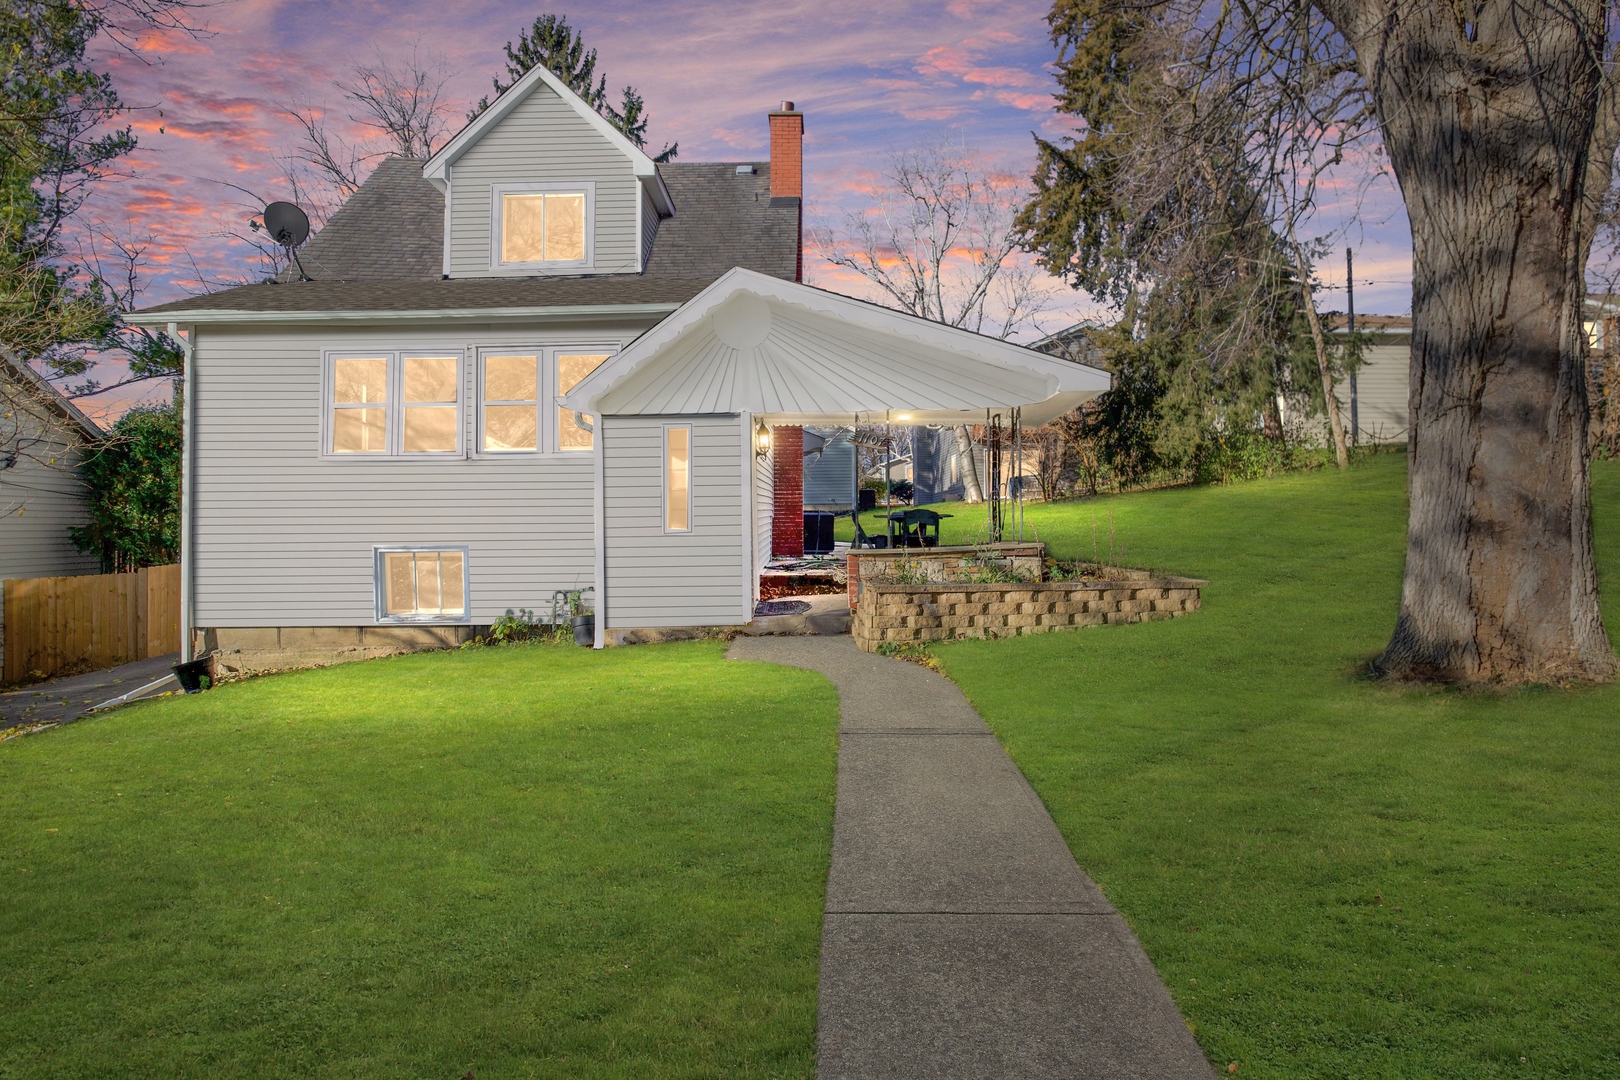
column 286, row 224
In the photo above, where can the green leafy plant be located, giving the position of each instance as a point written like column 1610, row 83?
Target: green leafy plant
column 133, row 479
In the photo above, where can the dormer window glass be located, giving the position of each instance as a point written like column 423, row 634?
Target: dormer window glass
column 542, row 227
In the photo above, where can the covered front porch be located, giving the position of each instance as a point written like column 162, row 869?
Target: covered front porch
column 700, row 455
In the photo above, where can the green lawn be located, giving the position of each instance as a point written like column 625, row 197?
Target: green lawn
column 1335, row 877
column 519, row 862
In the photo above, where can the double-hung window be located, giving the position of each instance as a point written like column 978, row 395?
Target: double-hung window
column 392, row 404
column 518, row 389
column 543, row 226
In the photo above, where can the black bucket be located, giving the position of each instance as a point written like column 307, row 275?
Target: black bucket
column 191, row 673
column 585, row 630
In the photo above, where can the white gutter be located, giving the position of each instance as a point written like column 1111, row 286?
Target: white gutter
column 188, row 383
column 571, row 311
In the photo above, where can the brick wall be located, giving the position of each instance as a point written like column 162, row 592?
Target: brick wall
column 908, row 613
column 787, row 481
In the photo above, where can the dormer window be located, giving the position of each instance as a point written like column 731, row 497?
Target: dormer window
column 543, row 226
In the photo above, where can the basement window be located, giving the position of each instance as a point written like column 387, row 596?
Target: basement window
column 542, row 226
column 421, row 584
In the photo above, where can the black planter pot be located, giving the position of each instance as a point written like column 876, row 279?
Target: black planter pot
column 585, row 630
column 190, row 674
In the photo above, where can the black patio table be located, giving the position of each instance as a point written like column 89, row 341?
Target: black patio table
column 914, row 528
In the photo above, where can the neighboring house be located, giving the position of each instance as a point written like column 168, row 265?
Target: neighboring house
column 829, row 469
column 42, row 437
column 536, row 362
column 1374, row 410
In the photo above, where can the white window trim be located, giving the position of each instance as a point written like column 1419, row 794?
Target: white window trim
column 395, row 405
column 577, row 266
column 380, row 587
column 691, row 487
column 547, row 435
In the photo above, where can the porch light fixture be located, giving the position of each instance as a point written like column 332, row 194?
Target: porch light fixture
column 762, row 440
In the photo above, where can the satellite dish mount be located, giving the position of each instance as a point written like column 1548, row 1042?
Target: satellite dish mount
column 289, row 227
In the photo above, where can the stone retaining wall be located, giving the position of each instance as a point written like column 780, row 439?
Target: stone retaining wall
column 935, row 612
column 942, row 563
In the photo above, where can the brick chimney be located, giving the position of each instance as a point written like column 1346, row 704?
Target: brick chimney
column 787, row 168
column 787, row 486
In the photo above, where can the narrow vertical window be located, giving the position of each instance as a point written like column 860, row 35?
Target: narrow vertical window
column 432, row 413
column 511, row 403
column 360, row 405
column 571, row 368
column 678, row 479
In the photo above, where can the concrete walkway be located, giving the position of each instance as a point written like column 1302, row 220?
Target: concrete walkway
column 70, row 697
column 961, row 939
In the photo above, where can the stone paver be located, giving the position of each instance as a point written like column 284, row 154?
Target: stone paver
column 72, row 696
column 961, row 939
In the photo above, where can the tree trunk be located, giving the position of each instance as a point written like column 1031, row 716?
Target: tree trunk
column 972, row 491
column 1489, row 127
column 1341, row 450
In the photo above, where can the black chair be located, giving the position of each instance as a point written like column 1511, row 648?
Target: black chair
column 914, row 528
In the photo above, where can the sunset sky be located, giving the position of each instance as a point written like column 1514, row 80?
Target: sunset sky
column 870, row 77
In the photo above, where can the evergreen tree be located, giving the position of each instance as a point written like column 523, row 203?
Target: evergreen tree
column 133, row 481
column 555, row 44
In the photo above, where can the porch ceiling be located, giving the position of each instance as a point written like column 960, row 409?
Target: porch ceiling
column 795, row 354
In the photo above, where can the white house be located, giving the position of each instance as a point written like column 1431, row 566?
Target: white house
column 538, row 362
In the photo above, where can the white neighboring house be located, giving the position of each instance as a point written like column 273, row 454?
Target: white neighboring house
column 42, row 438
column 537, row 362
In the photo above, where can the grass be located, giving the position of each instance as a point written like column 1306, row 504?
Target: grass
column 1335, row 877
column 509, row 862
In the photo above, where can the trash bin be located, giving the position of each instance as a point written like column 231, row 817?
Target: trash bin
column 818, row 532
column 191, row 673
column 868, row 499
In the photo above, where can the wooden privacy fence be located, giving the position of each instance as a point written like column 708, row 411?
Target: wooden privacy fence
column 92, row 621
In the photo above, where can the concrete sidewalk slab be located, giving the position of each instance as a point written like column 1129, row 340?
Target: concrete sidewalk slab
column 960, row 938
column 954, row 828
column 1026, row 996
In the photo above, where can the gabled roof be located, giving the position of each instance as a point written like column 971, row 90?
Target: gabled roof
column 757, row 344
column 436, row 169
column 726, row 220
column 20, row 372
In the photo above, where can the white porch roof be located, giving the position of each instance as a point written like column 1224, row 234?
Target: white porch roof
column 790, row 353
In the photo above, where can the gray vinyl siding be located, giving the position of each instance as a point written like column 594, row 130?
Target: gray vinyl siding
column 38, row 504
column 285, row 538
column 649, row 225
column 764, row 509
column 543, row 141
column 657, row 579
column 1382, row 390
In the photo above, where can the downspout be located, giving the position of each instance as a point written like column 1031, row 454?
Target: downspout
column 601, row 535
column 188, row 555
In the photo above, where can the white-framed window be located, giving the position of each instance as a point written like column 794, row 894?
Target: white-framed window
column 542, row 226
column 421, row 584
column 677, row 478
column 517, row 392
column 392, row 403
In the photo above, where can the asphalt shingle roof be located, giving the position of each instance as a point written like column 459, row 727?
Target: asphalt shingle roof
column 384, row 250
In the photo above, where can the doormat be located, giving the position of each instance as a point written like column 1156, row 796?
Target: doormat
column 781, row 607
